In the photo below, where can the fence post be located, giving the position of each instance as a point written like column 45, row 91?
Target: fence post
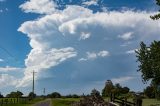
column 125, row 101
column 111, row 97
column 138, row 101
column 2, row 102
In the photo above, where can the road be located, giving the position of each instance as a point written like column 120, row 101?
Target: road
column 44, row 103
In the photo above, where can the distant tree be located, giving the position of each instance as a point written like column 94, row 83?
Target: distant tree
column 55, row 95
column 108, row 88
column 95, row 92
column 157, row 16
column 117, row 89
column 149, row 92
column 125, row 90
column 149, row 63
column 68, row 96
column 17, row 94
column 75, row 96
column 31, row 95
column 1, row 96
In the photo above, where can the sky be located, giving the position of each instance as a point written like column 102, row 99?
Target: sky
column 73, row 46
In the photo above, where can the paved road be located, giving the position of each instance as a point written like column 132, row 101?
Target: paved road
column 44, row 103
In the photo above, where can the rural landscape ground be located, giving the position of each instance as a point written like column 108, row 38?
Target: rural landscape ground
column 68, row 101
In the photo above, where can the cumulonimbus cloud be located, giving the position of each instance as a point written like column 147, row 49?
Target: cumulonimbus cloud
column 62, row 34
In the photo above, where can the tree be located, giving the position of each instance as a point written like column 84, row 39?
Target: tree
column 108, row 88
column 117, row 89
column 125, row 90
column 149, row 62
column 95, row 93
column 1, row 96
column 149, row 59
column 17, row 94
column 157, row 16
column 149, row 92
column 54, row 95
column 31, row 95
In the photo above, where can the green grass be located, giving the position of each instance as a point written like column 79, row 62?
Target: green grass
column 64, row 102
column 150, row 102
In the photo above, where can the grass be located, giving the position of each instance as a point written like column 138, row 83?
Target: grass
column 151, row 102
column 64, row 102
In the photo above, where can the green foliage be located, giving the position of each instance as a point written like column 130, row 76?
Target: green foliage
column 108, row 88
column 157, row 16
column 125, row 90
column 149, row 64
column 117, row 89
column 95, row 92
column 17, row 94
column 149, row 59
column 31, row 95
column 149, row 92
column 1, row 96
column 54, row 95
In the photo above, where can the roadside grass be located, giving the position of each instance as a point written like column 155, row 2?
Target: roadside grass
column 64, row 101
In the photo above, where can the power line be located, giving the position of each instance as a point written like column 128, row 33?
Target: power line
column 10, row 54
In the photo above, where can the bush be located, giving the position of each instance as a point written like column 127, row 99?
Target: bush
column 31, row 95
column 1, row 96
column 54, row 95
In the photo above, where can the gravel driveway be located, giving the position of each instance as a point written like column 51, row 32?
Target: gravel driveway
column 44, row 103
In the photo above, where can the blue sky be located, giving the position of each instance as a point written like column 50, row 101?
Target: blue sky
column 73, row 45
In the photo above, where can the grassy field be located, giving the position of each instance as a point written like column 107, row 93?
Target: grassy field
column 150, row 102
column 64, row 102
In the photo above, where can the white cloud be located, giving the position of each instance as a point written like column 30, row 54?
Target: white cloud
column 82, row 59
column 91, row 2
column 1, row 60
column 93, row 55
column 126, row 36
column 40, row 60
column 103, row 53
column 1, row 11
column 52, row 40
column 84, row 35
column 8, row 69
column 122, row 79
column 39, row 6
column 7, row 80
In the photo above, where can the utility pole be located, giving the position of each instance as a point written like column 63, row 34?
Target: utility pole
column 33, row 81
column 44, row 91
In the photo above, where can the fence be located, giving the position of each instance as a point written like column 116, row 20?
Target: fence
column 124, row 102
column 9, row 101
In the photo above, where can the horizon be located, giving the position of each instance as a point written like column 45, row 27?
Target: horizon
column 73, row 45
